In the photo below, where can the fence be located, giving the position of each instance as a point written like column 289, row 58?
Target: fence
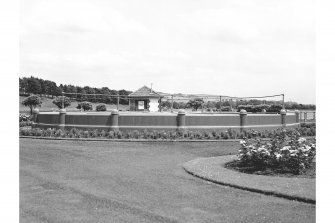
column 307, row 116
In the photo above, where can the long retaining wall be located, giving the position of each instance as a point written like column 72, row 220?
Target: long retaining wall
column 164, row 121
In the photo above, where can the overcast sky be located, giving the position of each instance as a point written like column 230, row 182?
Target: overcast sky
column 236, row 48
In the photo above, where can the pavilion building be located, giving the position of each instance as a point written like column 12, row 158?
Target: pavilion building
column 144, row 99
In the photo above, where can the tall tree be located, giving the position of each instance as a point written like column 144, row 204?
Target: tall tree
column 34, row 86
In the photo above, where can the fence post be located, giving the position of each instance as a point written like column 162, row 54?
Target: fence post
column 118, row 102
column 115, row 119
column 243, row 119
column 35, row 113
column 305, row 117
column 297, row 118
column 62, row 114
column 172, row 103
column 314, row 116
column 283, row 117
column 181, row 119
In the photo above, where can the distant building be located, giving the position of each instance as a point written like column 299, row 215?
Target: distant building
column 144, row 99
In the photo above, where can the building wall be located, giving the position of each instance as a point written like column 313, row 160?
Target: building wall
column 154, row 105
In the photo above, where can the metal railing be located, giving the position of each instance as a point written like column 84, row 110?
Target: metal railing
column 307, row 116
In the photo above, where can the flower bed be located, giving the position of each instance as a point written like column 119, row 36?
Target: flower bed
column 286, row 153
column 165, row 135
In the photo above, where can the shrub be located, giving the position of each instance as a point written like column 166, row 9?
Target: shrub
column 87, row 106
column 225, row 108
column 259, row 108
column 58, row 101
column 101, row 107
column 25, row 117
column 286, row 151
column 26, row 123
column 274, row 108
column 248, row 108
column 136, row 134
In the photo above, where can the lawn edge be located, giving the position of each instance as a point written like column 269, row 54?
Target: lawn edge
column 128, row 140
column 191, row 171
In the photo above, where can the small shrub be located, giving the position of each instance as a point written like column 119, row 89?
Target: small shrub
column 86, row 106
column 25, row 117
column 25, row 123
column 58, row 133
column 136, row 134
column 101, row 107
column 111, row 135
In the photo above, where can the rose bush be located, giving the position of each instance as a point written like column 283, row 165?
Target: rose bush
column 286, row 151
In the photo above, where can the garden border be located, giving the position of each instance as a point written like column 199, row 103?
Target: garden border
column 211, row 169
column 140, row 140
column 130, row 140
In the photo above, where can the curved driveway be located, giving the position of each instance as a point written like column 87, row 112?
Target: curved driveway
column 72, row 181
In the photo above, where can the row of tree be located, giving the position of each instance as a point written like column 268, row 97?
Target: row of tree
column 38, row 86
column 198, row 103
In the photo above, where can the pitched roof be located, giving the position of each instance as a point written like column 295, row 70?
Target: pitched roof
column 145, row 92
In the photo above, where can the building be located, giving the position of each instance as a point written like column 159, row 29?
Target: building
column 144, row 99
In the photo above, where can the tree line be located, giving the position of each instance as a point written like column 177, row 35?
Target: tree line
column 47, row 88
column 199, row 103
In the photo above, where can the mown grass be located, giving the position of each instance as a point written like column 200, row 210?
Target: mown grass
column 72, row 181
column 47, row 105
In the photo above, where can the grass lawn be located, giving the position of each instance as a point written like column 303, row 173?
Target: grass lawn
column 82, row 181
column 47, row 105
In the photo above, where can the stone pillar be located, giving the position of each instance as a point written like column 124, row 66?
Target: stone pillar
column 35, row 114
column 283, row 117
column 62, row 114
column 115, row 119
column 172, row 104
column 297, row 118
column 181, row 119
column 243, row 119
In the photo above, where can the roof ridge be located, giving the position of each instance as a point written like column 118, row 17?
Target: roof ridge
column 145, row 92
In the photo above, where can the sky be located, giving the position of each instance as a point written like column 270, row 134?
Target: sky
column 236, row 48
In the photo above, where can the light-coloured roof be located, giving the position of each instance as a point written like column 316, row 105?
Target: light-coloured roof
column 145, row 92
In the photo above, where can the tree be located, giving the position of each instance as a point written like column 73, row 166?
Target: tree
column 34, row 86
column 105, row 97
column 121, row 93
column 196, row 103
column 210, row 104
column 165, row 104
column 32, row 101
column 59, row 102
